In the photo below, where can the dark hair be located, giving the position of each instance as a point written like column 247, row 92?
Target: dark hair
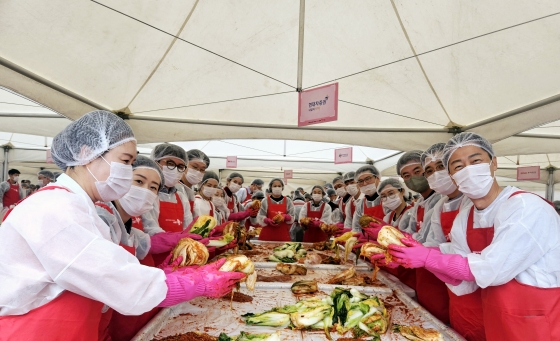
column 13, row 171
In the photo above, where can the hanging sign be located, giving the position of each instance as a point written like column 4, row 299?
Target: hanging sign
column 343, row 155
column 49, row 156
column 231, row 162
column 318, row 105
column 288, row 174
column 528, row 173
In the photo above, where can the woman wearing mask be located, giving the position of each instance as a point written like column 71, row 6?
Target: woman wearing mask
column 276, row 205
column 236, row 212
column 355, row 195
column 252, row 221
column 338, row 216
column 45, row 177
column 76, row 267
column 197, row 163
column 367, row 178
column 296, row 231
column 504, row 251
column 431, row 291
column 320, row 213
column 203, row 201
column 219, row 201
column 391, row 195
column 409, row 167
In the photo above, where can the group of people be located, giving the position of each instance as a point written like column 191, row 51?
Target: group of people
column 87, row 257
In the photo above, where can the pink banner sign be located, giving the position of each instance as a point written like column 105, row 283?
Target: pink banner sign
column 49, row 156
column 231, row 162
column 343, row 155
column 528, row 173
column 288, row 174
column 318, row 105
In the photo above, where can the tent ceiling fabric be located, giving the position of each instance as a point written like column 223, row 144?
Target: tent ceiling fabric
column 199, row 70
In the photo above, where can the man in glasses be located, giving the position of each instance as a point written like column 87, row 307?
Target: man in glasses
column 367, row 178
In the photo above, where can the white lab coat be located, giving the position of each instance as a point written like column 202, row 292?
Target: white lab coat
column 359, row 212
column 526, row 244
column 136, row 238
column 203, row 207
column 325, row 217
column 55, row 241
column 431, row 234
column 348, row 221
column 408, row 222
column 150, row 220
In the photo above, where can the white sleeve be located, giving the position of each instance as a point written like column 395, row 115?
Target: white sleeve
column 302, row 212
column 422, row 235
column 336, row 216
column 111, row 221
column 4, row 187
column 358, row 213
column 150, row 220
column 435, row 235
column 142, row 243
column 327, row 214
column 408, row 220
column 263, row 212
column 349, row 217
column 241, row 194
column 187, row 214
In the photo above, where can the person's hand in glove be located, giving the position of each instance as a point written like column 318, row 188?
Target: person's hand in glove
column 287, row 217
column 206, row 281
column 315, row 223
column 254, row 212
column 372, row 231
column 238, row 216
column 186, row 234
column 341, row 232
column 164, row 242
column 217, row 231
column 168, row 268
column 413, row 255
column 391, row 265
column 269, row 222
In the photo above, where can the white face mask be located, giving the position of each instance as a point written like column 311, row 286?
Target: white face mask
column 474, row 181
column 352, row 189
column 117, row 184
column 193, row 176
column 277, row 191
column 317, row 197
column 441, row 182
column 16, row 178
column 218, row 201
column 392, row 203
column 40, row 183
column 341, row 191
column 369, row 189
column 171, row 176
column 233, row 187
column 138, row 201
column 209, row 191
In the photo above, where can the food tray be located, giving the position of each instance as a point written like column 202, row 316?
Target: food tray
column 214, row 316
column 261, row 260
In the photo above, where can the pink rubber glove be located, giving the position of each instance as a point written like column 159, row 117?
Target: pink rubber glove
column 269, row 222
column 238, row 216
column 412, row 257
column 287, row 217
column 390, row 265
column 206, row 281
column 446, row 279
column 341, row 232
column 186, row 234
column 224, row 248
column 218, row 230
column 168, row 268
column 451, row 265
column 372, row 232
column 377, row 256
column 164, row 242
column 315, row 223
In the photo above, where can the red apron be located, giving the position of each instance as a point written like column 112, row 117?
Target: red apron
column 419, row 217
column 67, row 317
column 342, row 207
column 405, row 275
column 171, row 218
column 137, row 224
column 11, row 197
column 231, row 203
column 249, row 195
column 352, row 207
column 465, row 312
column 314, row 234
column 430, row 290
column 516, row 311
column 374, row 211
column 280, row 233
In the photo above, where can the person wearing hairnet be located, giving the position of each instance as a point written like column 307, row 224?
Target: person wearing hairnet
column 340, row 191
column 431, row 291
column 308, row 197
column 245, row 193
column 45, row 177
column 236, row 212
column 76, row 267
column 319, row 212
column 355, row 195
column 409, row 167
column 391, row 195
column 219, row 201
column 502, row 262
column 204, row 200
column 276, row 207
column 255, row 196
column 367, row 178
column 296, row 231
column 197, row 163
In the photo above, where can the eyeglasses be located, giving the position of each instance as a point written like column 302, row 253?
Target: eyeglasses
column 366, row 180
column 390, row 196
column 172, row 165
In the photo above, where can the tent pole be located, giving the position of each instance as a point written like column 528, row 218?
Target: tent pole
column 5, row 165
column 550, row 184
column 300, row 44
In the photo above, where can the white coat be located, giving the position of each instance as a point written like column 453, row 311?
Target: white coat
column 408, row 222
column 150, row 220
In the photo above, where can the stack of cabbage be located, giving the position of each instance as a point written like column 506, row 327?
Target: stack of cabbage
column 347, row 310
column 288, row 253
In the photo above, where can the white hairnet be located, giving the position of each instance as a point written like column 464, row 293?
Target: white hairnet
column 257, row 182
column 463, row 140
column 145, row 162
column 235, row 175
column 258, row 195
column 367, row 168
column 389, row 182
column 209, row 175
column 164, row 150
column 275, row 179
column 47, row 174
column 349, row 176
column 337, row 179
column 319, row 187
column 409, row 158
column 198, row 155
column 87, row 138
column 432, row 154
